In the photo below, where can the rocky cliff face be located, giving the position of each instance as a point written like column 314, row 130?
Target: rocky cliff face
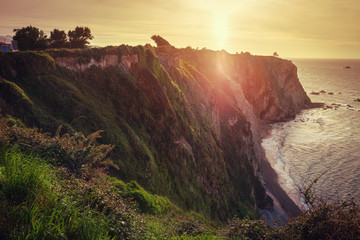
column 72, row 63
column 269, row 84
column 186, row 124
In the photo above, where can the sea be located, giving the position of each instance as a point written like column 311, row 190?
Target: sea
column 321, row 145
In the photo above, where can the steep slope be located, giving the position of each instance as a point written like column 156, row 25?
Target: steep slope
column 186, row 123
column 265, row 89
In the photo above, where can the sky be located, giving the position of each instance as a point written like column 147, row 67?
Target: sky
column 292, row 28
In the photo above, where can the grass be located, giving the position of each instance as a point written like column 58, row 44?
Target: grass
column 22, row 178
column 145, row 202
column 32, row 209
column 42, row 199
column 156, row 109
column 158, row 137
column 37, row 202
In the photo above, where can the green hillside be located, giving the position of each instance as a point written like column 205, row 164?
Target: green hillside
column 147, row 143
column 160, row 122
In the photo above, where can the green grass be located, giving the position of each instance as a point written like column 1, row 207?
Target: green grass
column 33, row 206
column 145, row 202
column 21, row 178
column 143, row 113
column 151, row 115
column 42, row 199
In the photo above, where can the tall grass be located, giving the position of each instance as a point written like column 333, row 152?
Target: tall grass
column 76, row 152
column 23, row 178
column 32, row 207
column 41, row 197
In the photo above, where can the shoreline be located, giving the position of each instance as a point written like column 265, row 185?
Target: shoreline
column 284, row 206
column 282, row 201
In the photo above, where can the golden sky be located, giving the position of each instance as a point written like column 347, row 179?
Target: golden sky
column 293, row 28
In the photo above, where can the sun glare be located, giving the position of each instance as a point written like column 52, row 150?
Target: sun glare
column 220, row 31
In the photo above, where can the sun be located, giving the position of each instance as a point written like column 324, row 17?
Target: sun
column 220, row 31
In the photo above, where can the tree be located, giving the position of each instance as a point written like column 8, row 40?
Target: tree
column 30, row 38
column 80, row 37
column 275, row 54
column 160, row 41
column 58, row 39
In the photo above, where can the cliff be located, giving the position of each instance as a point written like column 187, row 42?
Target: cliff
column 187, row 124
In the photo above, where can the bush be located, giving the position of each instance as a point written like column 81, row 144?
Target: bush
column 249, row 229
column 323, row 220
column 75, row 152
column 96, row 196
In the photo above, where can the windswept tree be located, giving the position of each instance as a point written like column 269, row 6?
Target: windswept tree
column 79, row 37
column 30, row 38
column 160, row 41
column 275, row 54
column 58, row 39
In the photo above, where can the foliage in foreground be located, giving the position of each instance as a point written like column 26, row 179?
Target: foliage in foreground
column 42, row 197
column 324, row 220
column 36, row 203
column 75, row 152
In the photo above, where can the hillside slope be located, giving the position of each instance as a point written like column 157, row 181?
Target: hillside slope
column 186, row 124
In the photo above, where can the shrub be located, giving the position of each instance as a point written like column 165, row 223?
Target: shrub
column 95, row 196
column 324, row 220
column 249, row 229
column 76, row 152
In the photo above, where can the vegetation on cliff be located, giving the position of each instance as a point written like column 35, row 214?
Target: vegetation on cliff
column 43, row 197
column 170, row 128
column 172, row 122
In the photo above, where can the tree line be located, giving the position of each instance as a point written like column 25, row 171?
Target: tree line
column 32, row 38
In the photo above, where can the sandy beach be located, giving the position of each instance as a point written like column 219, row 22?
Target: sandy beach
column 286, row 201
column 284, row 205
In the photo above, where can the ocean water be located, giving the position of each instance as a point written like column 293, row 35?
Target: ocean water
column 322, row 142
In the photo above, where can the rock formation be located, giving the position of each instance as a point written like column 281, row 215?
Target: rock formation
column 186, row 123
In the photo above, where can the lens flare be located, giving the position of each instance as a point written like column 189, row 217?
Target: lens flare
column 220, row 31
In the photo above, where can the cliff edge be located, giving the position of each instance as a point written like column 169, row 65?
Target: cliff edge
column 186, row 123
